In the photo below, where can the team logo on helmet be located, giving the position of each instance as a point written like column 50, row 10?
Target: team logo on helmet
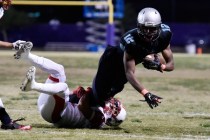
column 114, row 112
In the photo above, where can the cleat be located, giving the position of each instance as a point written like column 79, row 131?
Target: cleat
column 30, row 76
column 80, row 91
column 23, row 49
column 13, row 125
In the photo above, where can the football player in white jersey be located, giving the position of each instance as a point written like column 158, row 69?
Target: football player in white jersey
column 4, row 5
column 54, row 103
column 6, row 121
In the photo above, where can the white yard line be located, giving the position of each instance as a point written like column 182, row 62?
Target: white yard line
column 130, row 136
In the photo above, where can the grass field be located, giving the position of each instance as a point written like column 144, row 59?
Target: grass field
column 183, row 114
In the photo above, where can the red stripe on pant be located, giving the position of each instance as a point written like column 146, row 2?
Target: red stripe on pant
column 59, row 104
column 53, row 79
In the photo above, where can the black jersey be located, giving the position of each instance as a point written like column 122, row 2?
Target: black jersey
column 110, row 77
column 133, row 43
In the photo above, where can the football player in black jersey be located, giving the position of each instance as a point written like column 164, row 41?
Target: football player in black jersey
column 117, row 64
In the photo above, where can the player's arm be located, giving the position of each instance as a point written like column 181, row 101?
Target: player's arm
column 129, row 64
column 16, row 45
column 95, row 117
column 6, row 44
column 168, row 56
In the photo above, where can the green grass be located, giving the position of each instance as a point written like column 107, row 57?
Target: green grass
column 183, row 114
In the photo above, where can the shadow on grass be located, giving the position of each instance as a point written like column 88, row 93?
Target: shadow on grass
column 51, row 126
column 43, row 126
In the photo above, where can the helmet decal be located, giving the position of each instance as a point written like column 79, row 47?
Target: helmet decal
column 114, row 112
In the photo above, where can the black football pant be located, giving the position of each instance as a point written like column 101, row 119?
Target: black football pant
column 110, row 77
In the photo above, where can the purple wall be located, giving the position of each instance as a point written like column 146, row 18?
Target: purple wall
column 184, row 33
column 42, row 33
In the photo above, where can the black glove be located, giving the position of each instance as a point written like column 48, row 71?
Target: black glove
column 152, row 64
column 152, row 99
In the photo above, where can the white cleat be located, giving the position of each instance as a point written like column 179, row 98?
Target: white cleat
column 30, row 77
column 24, row 48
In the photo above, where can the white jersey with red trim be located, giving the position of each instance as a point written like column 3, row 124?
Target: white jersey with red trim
column 72, row 117
column 61, row 113
column 53, row 103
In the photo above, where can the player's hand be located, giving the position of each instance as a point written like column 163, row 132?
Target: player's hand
column 153, row 64
column 17, row 44
column 152, row 100
column 98, row 119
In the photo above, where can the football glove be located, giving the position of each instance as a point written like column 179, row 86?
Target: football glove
column 152, row 64
column 152, row 100
column 17, row 44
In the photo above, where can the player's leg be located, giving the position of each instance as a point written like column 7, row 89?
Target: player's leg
column 29, row 83
column 51, row 101
column 57, row 75
column 51, row 107
column 54, row 69
column 110, row 77
column 4, row 116
column 54, row 91
column 7, row 122
column 104, row 78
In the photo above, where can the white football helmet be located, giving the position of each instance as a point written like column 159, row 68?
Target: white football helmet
column 148, row 23
column 114, row 112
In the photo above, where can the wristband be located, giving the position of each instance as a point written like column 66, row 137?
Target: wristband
column 13, row 44
column 144, row 91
